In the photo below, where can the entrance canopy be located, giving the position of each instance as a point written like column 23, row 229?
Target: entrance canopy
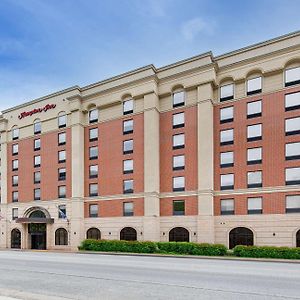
column 35, row 220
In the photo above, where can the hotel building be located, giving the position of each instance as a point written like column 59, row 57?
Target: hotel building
column 204, row 150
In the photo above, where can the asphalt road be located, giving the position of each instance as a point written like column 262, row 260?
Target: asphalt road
column 48, row 275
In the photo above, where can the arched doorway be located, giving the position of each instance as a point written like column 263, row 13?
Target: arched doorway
column 16, row 239
column 93, row 234
column 37, row 230
column 179, row 234
column 240, row 236
column 61, row 237
column 298, row 238
column 128, row 234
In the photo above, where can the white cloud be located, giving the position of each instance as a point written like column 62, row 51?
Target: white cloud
column 191, row 28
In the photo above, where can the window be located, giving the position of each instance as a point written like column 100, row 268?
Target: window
column 127, row 166
column 62, row 174
column 37, row 194
column 15, row 165
column 14, row 213
column 128, row 127
column 226, row 92
column 254, row 109
column 227, row 207
column 178, row 208
column 128, row 209
column 292, row 126
column 178, row 141
column 37, row 144
column 292, row 101
column 37, row 127
column 178, row 120
column 62, row 156
column 226, row 137
column 178, row 184
column 254, row 86
column 15, row 133
column 292, row 76
column 178, row 98
column 128, row 107
column 292, row 204
column 254, row 156
column 226, row 159
column 226, row 114
column 227, row 181
column 178, row 162
column 37, row 161
column 93, row 171
column 62, row 212
column 93, row 210
column 62, row 120
column 254, row 205
column 128, row 147
column 254, row 179
column 37, row 177
column 15, row 180
column 15, row 196
column 128, row 186
column 254, row 132
column 61, row 237
column 93, row 115
column 292, row 176
column 62, row 191
column 62, row 138
column 93, row 134
column 15, row 149
column 93, row 234
column 93, row 152
column 292, row 151
column 93, row 189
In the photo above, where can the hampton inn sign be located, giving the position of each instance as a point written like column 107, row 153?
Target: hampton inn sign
column 36, row 110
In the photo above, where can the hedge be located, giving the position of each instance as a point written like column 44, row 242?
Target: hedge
column 267, row 252
column 153, row 247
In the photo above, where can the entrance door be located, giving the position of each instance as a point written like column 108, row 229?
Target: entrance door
column 38, row 236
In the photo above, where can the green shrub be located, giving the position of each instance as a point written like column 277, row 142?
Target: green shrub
column 267, row 252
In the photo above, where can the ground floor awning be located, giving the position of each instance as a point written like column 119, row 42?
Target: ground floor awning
column 35, row 220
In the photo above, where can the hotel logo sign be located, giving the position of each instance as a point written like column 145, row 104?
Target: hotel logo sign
column 36, row 111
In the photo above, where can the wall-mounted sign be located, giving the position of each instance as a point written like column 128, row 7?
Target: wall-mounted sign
column 36, row 111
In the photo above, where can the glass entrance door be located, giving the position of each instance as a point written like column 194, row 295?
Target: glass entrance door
column 37, row 233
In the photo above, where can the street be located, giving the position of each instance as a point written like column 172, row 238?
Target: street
column 49, row 275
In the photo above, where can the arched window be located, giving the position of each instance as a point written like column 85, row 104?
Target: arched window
column 15, row 133
column 179, row 234
column 298, row 238
column 16, row 239
column 62, row 120
column 128, row 106
column 240, row 236
column 93, row 115
column 254, row 83
column 37, row 126
column 93, row 234
column 292, row 73
column 61, row 237
column 226, row 89
column 37, row 214
column 128, row 234
column 178, row 97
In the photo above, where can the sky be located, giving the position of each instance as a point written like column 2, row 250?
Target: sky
column 50, row 45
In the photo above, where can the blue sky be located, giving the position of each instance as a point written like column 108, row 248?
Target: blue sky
column 49, row 45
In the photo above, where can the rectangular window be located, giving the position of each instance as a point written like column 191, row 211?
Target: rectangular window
column 15, row 133
column 93, row 171
column 292, row 76
column 93, row 134
column 292, row 101
column 128, row 186
column 292, row 126
column 128, row 209
column 128, row 127
column 254, row 156
column 178, row 98
column 37, row 144
column 254, row 109
column 254, row 205
column 254, row 132
column 37, row 127
column 178, row 208
column 254, row 86
column 226, row 92
column 62, row 156
column 15, row 149
column 15, row 165
column 93, row 153
column 254, row 179
column 178, row 162
column 93, row 115
column 226, row 159
column 62, row 121
column 292, row 204
column 62, row 191
column 292, row 151
column 37, row 177
column 127, row 166
column 15, row 180
column 62, row 174
column 15, row 196
column 93, row 188
column 128, row 107
column 62, row 211
column 227, row 181
column 62, row 138
column 14, row 213
column 227, row 207
column 37, row 194
column 93, row 210
column 178, row 141
column 226, row 137
column 178, row 120
column 226, row 114
column 178, row 184
column 37, row 161
column 292, row 176
column 128, row 147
